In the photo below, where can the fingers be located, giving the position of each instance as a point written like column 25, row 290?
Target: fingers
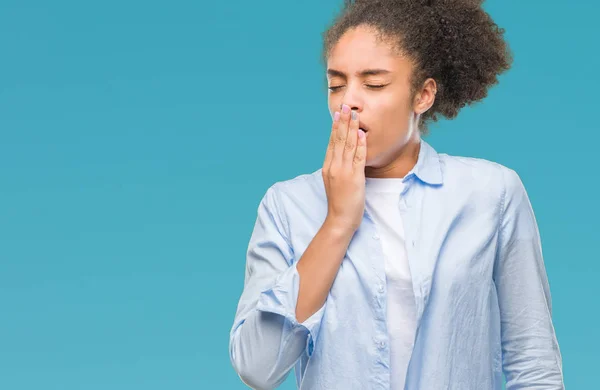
column 331, row 145
column 360, row 157
column 347, row 144
column 340, row 136
column 351, row 139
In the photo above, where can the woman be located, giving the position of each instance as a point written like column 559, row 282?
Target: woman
column 393, row 266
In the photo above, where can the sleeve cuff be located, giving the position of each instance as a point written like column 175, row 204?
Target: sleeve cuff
column 282, row 298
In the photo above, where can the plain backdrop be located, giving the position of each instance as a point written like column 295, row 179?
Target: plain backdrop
column 138, row 137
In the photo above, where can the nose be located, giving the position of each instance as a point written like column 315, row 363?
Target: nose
column 352, row 107
column 352, row 99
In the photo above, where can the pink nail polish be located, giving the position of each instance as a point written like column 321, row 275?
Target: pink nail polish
column 336, row 116
column 345, row 109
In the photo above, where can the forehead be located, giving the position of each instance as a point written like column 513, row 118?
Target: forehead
column 361, row 48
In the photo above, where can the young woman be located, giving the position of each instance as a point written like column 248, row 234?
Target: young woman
column 393, row 266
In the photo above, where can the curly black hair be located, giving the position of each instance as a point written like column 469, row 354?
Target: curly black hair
column 455, row 42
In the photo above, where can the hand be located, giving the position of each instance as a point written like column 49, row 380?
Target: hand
column 344, row 171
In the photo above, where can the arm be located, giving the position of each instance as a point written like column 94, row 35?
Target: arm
column 531, row 356
column 282, row 303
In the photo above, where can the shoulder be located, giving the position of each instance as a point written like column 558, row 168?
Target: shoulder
column 479, row 167
column 491, row 177
column 305, row 185
column 473, row 166
column 302, row 192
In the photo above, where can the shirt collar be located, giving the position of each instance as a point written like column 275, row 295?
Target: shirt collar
column 428, row 167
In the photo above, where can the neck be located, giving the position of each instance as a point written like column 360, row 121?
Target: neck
column 403, row 161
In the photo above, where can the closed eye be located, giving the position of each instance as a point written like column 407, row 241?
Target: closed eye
column 376, row 86
column 370, row 86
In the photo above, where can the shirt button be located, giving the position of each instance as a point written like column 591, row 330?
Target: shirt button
column 376, row 237
column 382, row 344
column 381, row 289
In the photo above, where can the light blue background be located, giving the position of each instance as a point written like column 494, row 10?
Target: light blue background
column 137, row 138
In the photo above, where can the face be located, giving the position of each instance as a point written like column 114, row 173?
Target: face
column 366, row 74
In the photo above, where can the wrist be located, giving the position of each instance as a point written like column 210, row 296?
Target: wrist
column 338, row 228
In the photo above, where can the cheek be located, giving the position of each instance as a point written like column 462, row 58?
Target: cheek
column 394, row 125
column 392, row 113
column 398, row 110
column 332, row 108
column 333, row 102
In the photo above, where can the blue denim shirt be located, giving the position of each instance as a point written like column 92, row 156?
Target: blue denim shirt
column 479, row 280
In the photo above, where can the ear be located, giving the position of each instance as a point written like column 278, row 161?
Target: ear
column 425, row 98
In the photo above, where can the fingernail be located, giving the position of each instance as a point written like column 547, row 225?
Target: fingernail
column 345, row 109
column 354, row 115
column 336, row 116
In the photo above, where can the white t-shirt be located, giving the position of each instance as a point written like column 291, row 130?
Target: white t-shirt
column 382, row 202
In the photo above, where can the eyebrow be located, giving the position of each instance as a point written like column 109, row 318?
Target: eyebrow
column 362, row 73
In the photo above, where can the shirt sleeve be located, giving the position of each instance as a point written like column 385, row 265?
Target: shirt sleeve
column 530, row 354
column 266, row 339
